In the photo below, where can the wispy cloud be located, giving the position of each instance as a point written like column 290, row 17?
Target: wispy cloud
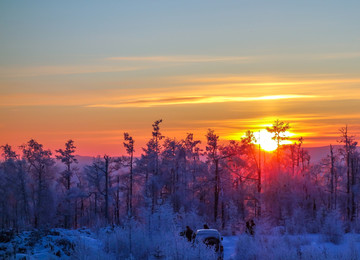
column 181, row 59
column 166, row 101
column 35, row 71
column 105, row 65
column 263, row 80
column 340, row 55
column 259, row 58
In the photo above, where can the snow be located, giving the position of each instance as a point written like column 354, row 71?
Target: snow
column 80, row 244
column 229, row 243
column 48, row 244
column 305, row 246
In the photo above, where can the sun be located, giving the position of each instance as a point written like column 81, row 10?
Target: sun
column 266, row 142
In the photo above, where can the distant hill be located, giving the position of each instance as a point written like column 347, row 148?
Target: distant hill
column 318, row 153
column 84, row 160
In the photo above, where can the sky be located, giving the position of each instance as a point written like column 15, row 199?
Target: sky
column 92, row 70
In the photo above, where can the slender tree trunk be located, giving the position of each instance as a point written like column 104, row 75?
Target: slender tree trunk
column 131, row 186
column 353, row 183
column 223, row 220
column 16, row 215
column 335, row 190
column 259, row 184
column 348, row 210
column 172, row 188
column 39, row 200
column 24, row 195
column 106, row 189
column 67, row 212
column 68, row 177
column 76, row 215
column 193, row 180
column 332, row 170
column 216, row 189
column 82, row 207
column 278, row 155
column 117, row 203
column 95, row 209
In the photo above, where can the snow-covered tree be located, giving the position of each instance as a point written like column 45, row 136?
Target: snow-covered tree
column 40, row 165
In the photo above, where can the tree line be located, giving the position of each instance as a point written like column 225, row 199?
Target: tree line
column 224, row 184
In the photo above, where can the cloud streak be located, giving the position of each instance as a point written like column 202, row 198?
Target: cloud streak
column 181, row 59
column 167, row 101
column 36, row 71
column 259, row 58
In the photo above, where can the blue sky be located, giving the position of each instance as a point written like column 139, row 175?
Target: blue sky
column 43, row 32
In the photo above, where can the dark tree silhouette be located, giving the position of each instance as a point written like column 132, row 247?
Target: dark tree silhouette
column 278, row 129
column 129, row 145
column 67, row 157
column 39, row 161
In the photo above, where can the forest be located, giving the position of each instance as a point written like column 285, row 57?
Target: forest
column 175, row 183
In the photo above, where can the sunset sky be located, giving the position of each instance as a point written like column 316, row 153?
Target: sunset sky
column 90, row 70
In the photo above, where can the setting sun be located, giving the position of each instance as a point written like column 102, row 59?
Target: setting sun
column 266, row 142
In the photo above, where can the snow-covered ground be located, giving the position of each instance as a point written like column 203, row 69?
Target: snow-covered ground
column 106, row 244
column 46, row 244
column 229, row 243
column 306, row 246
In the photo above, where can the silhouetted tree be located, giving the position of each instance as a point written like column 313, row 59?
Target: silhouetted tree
column 129, row 145
column 248, row 145
column 348, row 153
column 192, row 153
column 14, row 206
column 68, row 158
column 40, row 163
column 278, row 129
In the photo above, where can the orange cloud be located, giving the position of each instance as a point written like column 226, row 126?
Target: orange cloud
column 196, row 100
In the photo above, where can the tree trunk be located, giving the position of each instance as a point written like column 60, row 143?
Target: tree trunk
column 216, row 189
column 332, row 171
column 353, row 183
column 39, row 201
column 106, row 189
column 131, row 186
column 259, row 185
column 117, row 202
column 348, row 210
column 76, row 215
column 24, row 195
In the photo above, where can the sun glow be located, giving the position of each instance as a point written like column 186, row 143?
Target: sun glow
column 264, row 138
